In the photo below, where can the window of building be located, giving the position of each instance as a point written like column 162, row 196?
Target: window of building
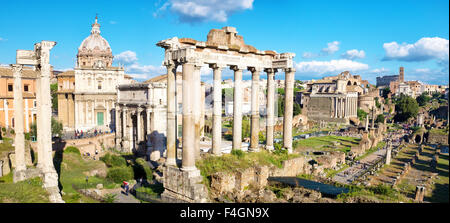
column 99, row 85
column 25, row 88
column 10, row 87
column 34, row 103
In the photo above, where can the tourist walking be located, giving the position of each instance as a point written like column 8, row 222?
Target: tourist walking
column 126, row 186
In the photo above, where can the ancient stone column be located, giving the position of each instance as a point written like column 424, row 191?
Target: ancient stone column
column 50, row 180
column 254, row 141
column 373, row 118
column 388, row 153
column 140, row 127
column 217, row 110
column 367, row 123
column 270, row 108
column 125, row 130
column 288, row 108
column 196, row 109
column 40, row 153
column 19, row 141
column 188, row 161
column 171, row 113
column 237, row 107
column 118, row 126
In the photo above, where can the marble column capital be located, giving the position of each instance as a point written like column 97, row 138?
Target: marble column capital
column 288, row 70
column 17, row 69
column 216, row 66
column 270, row 71
column 237, row 67
column 255, row 70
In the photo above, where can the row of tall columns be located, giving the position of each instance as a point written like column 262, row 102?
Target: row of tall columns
column 344, row 107
column 192, row 111
column 19, row 141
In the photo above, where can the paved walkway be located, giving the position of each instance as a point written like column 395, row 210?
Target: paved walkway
column 351, row 173
column 121, row 197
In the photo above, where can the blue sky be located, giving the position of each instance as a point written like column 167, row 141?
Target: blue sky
column 370, row 38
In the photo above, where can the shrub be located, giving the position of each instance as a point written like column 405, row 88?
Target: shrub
column 27, row 136
column 237, row 152
column 3, row 129
column 142, row 169
column 12, row 132
column 109, row 198
column 72, row 149
column 119, row 174
column 113, row 160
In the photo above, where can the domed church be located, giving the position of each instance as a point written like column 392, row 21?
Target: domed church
column 87, row 94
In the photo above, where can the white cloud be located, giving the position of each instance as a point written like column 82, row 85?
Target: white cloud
column 334, row 66
column 379, row 70
column 332, row 48
column 424, row 49
column 126, row 57
column 2, row 39
column 309, row 55
column 192, row 11
column 112, row 22
column 130, row 61
column 354, row 54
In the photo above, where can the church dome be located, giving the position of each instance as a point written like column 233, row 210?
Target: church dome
column 94, row 49
column 95, row 41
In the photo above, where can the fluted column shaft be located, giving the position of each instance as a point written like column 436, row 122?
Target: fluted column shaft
column 139, row 126
column 237, row 108
column 270, row 108
column 217, row 110
column 19, row 141
column 171, row 113
column 188, row 162
column 288, row 108
column 254, row 141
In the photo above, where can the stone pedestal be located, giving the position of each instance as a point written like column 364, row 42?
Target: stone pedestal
column 183, row 186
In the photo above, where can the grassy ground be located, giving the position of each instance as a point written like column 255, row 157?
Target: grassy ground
column 6, row 147
column 326, row 143
column 379, row 193
column 440, row 189
column 331, row 172
column 28, row 191
column 72, row 172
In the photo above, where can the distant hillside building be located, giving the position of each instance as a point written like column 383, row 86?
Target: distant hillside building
column 391, row 81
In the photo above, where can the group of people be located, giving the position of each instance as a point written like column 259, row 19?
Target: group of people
column 79, row 134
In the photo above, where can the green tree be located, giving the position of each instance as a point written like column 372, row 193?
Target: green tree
column 361, row 114
column 406, row 107
column 57, row 127
column 380, row 118
column 377, row 103
column 280, row 108
column 423, row 99
column 297, row 109
column 53, row 90
column 386, row 91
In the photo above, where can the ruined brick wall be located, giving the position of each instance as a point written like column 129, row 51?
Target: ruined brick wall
column 434, row 138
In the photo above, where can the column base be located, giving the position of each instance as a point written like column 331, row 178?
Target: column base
column 183, row 186
column 270, row 148
column 171, row 162
column 20, row 175
column 253, row 149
